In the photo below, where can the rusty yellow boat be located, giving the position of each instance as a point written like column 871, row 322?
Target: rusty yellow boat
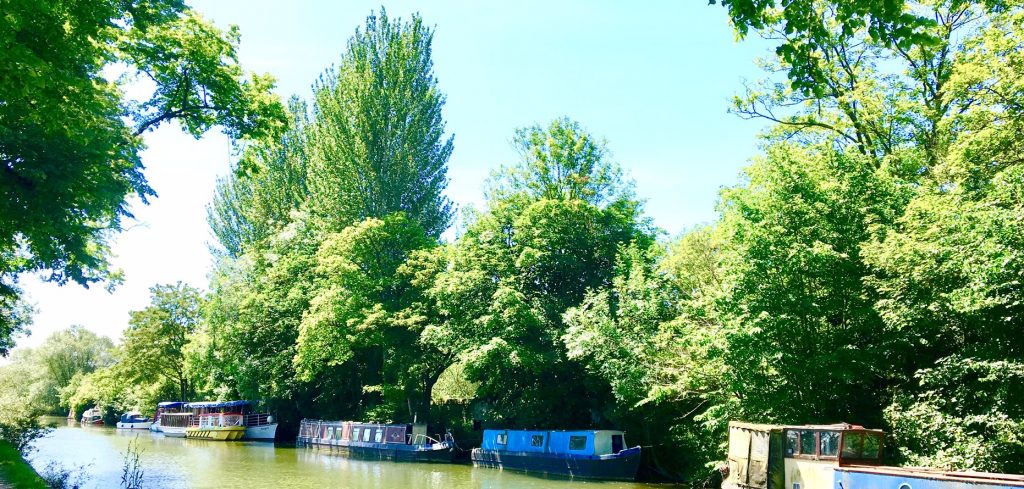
column 217, row 426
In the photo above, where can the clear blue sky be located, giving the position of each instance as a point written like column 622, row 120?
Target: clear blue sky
column 653, row 78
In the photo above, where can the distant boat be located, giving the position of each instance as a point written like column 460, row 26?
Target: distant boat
column 134, row 420
column 589, row 454
column 258, row 426
column 92, row 417
column 166, row 407
column 398, row 442
column 841, row 455
column 218, row 426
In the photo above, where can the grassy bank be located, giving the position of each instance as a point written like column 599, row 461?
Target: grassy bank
column 15, row 471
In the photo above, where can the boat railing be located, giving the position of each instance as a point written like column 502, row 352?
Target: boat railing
column 258, row 419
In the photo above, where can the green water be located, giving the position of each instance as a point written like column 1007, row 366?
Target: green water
column 98, row 452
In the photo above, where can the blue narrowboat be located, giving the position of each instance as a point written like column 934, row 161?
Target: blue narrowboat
column 839, row 456
column 398, row 442
column 590, row 454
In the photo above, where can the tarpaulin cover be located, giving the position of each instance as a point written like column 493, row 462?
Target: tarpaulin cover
column 216, row 404
column 170, row 404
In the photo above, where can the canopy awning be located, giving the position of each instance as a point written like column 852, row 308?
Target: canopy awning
column 216, row 404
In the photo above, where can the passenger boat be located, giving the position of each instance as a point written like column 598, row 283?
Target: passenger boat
column 174, row 424
column 166, row 407
column 589, row 454
column 92, row 417
column 217, row 426
column 838, row 456
column 399, row 442
column 134, row 420
column 258, row 426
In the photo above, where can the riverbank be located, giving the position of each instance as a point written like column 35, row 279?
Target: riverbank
column 15, row 472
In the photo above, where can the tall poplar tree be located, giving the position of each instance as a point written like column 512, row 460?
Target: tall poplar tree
column 377, row 143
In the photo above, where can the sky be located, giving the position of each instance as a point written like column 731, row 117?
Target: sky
column 653, row 78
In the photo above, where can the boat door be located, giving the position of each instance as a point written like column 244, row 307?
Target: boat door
column 617, row 444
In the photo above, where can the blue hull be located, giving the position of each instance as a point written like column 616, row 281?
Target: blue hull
column 621, row 466
column 910, row 478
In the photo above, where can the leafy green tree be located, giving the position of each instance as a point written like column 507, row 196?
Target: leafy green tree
column 249, row 206
column 156, row 337
column 70, row 139
column 70, row 353
column 377, row 142
column 552, row 229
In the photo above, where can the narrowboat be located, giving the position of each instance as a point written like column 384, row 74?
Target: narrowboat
column 588, row 454
column 217, row 426
column 92, row 417
column 398, row 442
column 838, row 456
column 258, row 426
column 134, row 420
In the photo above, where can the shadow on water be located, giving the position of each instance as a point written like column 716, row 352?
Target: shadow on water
column 186, row 463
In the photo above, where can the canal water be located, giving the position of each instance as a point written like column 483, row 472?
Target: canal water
column 98, row 454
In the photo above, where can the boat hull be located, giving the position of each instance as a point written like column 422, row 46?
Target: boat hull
column 620, row 466
column 921, row 478
column 261, row 432
column 134, row 426
column 220, row 433
column 173, row 431
column 435, row 453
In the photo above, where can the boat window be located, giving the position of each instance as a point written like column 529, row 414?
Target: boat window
column 829, row 443
column 577, row 442
column 330, row 433
column 792, row 443
column 872, row 445
column 852, row 444
column 366, row 434
column 355, row 434
column 501, row 439
column 617, row 444
column 379, row 436
column 807, row 443
column 537, row 441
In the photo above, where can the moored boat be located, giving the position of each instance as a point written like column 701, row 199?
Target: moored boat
column 175, row 424
column 588, row 454
column 258, row 426
column 217, row 426
column 92, row 417
column 398, row 442
column 165, row 407
column 837, row 456
column 134, row 420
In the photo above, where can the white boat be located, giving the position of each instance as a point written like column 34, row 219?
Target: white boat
column 166, row 407
column 174, row 424
column 92, row 417
column 134, row 420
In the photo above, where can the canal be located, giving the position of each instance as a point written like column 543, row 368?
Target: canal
column 98, row 453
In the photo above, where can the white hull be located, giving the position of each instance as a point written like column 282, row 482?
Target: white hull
column 262, row 432
column 155, row 427
column 173, row 431
column 134, row 426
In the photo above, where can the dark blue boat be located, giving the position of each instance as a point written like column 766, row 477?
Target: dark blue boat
column 398, row 442
column 591, row 454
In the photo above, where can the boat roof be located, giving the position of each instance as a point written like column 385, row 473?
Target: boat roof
column 216, row 404
column 556, row 431
column 772, row 427
column 171, row 404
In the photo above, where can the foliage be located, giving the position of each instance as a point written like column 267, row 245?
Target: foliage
column 965, row 414
column 132, row 474
column 377, row 135
column 154, row 342
column 70, row 139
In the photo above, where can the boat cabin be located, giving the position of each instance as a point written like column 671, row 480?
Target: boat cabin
column 797, row 457
column 346, row 432
column 580, row 443
column 134, row 417
column 168, row 407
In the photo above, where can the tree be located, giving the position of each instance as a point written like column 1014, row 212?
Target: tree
column 156, row 337
column 551, row 231
column 70, row 139
column 377, row 142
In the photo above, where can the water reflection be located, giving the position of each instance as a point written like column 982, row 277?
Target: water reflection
column 187, row 463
